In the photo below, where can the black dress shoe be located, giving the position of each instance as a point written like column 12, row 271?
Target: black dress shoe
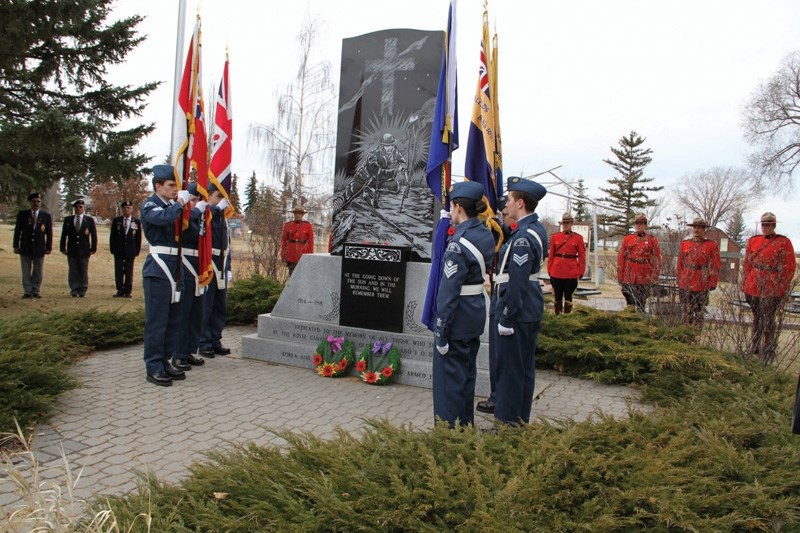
column 180, row 364
column 221, row 350
column 162, row 379
column 118, row 295
column 195, row 361
column 486, row 406
column 207, row 352
column 37, row 296
column 26, row 296
column 174, row 373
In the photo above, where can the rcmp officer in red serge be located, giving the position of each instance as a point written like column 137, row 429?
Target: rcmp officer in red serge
column 566, row 263
column 461, row 306
column 125, row 243
column 698, row 269
column 769, row 267
column 638, row 263
column 33, row 239
column 214, row 302
column 520, row 303
column 159, row 213
column 78, row 243
column 297, row 239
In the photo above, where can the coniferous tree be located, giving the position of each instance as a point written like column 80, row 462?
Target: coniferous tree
column 234, row 195
column 581, row 208
column 735, row 228
column 59, row 113
column 628, row 191
column 251, row 194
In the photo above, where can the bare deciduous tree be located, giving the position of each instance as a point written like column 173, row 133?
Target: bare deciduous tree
column 299, row 143
column 718, row 193
column 771, row 122
column 106, row 197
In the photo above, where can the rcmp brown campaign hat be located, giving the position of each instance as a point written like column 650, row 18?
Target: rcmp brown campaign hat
column 698, row 223
column 640, row 217
column 298, row 209
column 567, row 218
column 768, row 218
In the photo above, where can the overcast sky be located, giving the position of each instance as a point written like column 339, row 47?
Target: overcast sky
column 574, row 76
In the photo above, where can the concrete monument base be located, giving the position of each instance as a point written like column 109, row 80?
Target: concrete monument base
column 308, row 311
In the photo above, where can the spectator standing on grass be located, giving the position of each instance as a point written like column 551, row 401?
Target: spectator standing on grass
column 78, row 243
column 33, row 239
column 769, row 267
column 566, row 263
column 125, row 243
column 638, row 263
column 698, row 269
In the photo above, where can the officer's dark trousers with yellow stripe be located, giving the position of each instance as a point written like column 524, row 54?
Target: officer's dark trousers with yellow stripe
column 454, row 382
column 516, row 373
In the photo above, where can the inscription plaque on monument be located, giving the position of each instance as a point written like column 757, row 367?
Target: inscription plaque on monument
column 373, row 286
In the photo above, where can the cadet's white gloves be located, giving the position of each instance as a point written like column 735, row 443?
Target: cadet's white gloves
column 504, row 331
column 183, row 196
column 223, row 204
column 201, row 205
column 443, row 349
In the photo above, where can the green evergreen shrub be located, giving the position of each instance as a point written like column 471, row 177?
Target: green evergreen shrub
column 250, row 297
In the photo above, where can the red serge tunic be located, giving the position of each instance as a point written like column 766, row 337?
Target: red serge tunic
column 567, row 256
column 769, row 266
column 639, row 260
column 297, row 239
column 698, row 265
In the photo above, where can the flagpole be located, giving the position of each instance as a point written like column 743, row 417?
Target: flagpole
column 178, row 66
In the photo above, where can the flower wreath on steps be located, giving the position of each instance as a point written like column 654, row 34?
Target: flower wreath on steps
column 378, row 363
column 333, row 357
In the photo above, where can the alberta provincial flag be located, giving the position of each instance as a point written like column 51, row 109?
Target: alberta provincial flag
column 221, row 142
column 444, row 140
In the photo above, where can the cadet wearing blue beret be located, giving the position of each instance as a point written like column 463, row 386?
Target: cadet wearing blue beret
column 520, row 303
column 159, row 213
column 461, row 306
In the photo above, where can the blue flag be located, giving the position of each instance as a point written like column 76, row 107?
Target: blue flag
column 444, row 140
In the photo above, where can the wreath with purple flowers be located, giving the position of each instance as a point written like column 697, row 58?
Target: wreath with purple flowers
column 333, row 357
column 378, row 363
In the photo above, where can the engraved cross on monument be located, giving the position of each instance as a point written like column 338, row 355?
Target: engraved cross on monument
column 387, row 66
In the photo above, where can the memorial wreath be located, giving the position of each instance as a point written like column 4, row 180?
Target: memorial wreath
column 334, row 356
column 378, row 363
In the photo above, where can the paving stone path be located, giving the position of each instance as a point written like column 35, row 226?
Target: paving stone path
column 115, row 423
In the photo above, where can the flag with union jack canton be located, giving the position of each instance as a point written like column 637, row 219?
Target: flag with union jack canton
column 220, row 173
column 444, row 140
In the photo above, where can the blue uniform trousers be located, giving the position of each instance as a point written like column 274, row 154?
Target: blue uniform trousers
column 159, row 323
column 516, row 373
column 190, row 318
column 214, row 316
column 493, row 335
column 454, row 382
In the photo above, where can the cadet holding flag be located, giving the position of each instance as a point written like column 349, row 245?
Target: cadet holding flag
column 520, row 303
column 214, row 303
column 461, row 306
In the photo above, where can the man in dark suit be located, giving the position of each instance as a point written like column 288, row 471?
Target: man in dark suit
column 33, row 239
column 125, row 242
column 78, row 243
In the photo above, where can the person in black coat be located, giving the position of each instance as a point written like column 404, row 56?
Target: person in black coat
column 125, row 242
column 33, row 239
column 78, row 243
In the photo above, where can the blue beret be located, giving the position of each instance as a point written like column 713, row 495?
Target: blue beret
column 192, row 188
column 529, row 186
column 466, row 189
column 211, row 188
column 162, row 173
column 501, row 202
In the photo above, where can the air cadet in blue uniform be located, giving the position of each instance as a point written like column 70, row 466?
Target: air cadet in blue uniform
column 214, row 305
column 159, row 213
column 188, row 321
column 520, row 303
column 461, row 306
column 487, row 405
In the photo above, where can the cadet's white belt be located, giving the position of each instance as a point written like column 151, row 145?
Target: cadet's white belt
column 216, row 251
column 499, row 279
column 471, row 290
column 163, row 250
column 190, row 251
